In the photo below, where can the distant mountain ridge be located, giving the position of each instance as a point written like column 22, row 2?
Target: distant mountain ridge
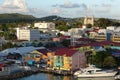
column 53, row 18
column 17, row 17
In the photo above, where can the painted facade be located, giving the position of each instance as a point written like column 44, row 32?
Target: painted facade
column 57, row 62
column 34, row 55
column 68, row 59
column 50, row 59
column 67, row 62
column 79, row 60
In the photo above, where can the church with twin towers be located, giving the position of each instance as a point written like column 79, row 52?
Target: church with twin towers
column 89, row 20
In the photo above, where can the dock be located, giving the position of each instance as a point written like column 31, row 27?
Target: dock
column 35, row 70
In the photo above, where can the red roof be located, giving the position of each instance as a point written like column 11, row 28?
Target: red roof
column 64, row 37
column 96, row 30
column 65, row 51
column 2, row 65
column 84, row 39
column 102, row 43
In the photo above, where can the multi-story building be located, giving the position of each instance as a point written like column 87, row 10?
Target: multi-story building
column 100, row 37
column 28, row 34
column 68, row 59
column 115, row 37
column 45, row 25
column 75, row 33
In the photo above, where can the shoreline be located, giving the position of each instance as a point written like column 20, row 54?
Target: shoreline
column 35, row 71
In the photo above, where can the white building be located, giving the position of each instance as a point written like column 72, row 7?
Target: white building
column 27, row 34
column 117, row 29
column 104, row 31
column 45, row 25
column 76, row 32
column 111, row 28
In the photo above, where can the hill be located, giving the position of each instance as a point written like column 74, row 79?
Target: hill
column 53, row 18
column 15, row 17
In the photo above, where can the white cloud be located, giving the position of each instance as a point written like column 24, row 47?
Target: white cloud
column 103, row 8
column 55, row 11
column 20, row 6
column 85, row 7
column 67, row 4
column 13, row 6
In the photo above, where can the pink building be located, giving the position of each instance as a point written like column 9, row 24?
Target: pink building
column 79, row 60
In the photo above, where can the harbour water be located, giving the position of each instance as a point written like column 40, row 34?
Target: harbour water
column 44, row 76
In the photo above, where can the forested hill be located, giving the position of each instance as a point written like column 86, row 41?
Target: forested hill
column 15, row 17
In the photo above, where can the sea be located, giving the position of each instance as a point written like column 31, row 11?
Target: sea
column 45, row 76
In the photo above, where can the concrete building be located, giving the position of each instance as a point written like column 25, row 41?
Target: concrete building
column 45, row 25
column 111, row 28
column 100, row 37
column 27, row 34
column 116, row 37
column 75, row 34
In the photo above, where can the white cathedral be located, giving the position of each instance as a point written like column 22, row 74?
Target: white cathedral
column 89, row 20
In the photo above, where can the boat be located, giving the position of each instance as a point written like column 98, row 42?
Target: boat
column 117, row 77
column 97, row 78
column 92, row 71
column 83, row 69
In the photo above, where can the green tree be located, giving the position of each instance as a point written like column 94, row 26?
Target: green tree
column 59, row 34
column 1, row 27
column 102, row 22
column 40, row 44
column 89, row 26
column 12, row 37
column 7, row 45
column 109, row 61
column 98, row 59
column 1, row 34
column 4, row 27
column 13, row 31
column 63, row 27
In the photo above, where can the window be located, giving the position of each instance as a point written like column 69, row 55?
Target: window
column 98, row 70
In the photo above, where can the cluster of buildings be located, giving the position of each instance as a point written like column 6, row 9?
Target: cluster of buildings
column 49, row 58
column 57, row 59
column 42, row 30
column 83, row 41
column 45, row 31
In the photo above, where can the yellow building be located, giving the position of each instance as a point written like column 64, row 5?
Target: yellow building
column 36, row 55
column 50, row 59
column 100, row 37
column 67, row 63
column 115, row 38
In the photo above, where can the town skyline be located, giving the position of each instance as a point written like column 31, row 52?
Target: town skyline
column 63, row 8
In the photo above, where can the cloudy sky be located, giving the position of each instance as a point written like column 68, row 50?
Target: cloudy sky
column 63, row 8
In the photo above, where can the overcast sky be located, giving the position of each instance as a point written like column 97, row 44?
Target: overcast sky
column 63, row 8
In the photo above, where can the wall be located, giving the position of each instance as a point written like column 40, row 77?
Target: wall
column 78, row 60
